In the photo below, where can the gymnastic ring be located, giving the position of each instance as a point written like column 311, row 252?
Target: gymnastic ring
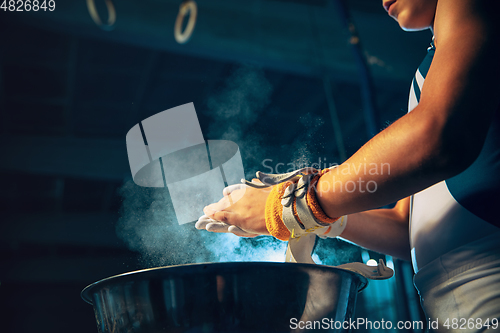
column 95, row 16
column 186, row 7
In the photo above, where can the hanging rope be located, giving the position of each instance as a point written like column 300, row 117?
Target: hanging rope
column 369, row 105
column 327, row 86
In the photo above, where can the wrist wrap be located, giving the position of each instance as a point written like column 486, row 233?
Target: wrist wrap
column 292, row 209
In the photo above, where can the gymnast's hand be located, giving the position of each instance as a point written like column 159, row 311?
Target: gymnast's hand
column 240, row 211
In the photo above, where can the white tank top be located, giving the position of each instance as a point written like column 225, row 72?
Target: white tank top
column 438, row 223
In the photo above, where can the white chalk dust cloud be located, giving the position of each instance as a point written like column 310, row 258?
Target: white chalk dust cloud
column 148, row 224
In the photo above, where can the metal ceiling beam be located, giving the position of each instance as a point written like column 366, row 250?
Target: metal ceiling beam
column 104, row 159
column 83, row 270
column 72, row 229
column 276, row 36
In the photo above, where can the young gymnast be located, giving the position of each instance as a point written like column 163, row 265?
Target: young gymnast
column 444, row 158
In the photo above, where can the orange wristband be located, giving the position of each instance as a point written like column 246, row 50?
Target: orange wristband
column 274, row 213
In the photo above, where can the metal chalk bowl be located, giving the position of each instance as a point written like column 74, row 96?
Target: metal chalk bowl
column 227, row 297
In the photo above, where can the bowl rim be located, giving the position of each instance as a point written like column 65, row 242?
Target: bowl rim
column 86, row 293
